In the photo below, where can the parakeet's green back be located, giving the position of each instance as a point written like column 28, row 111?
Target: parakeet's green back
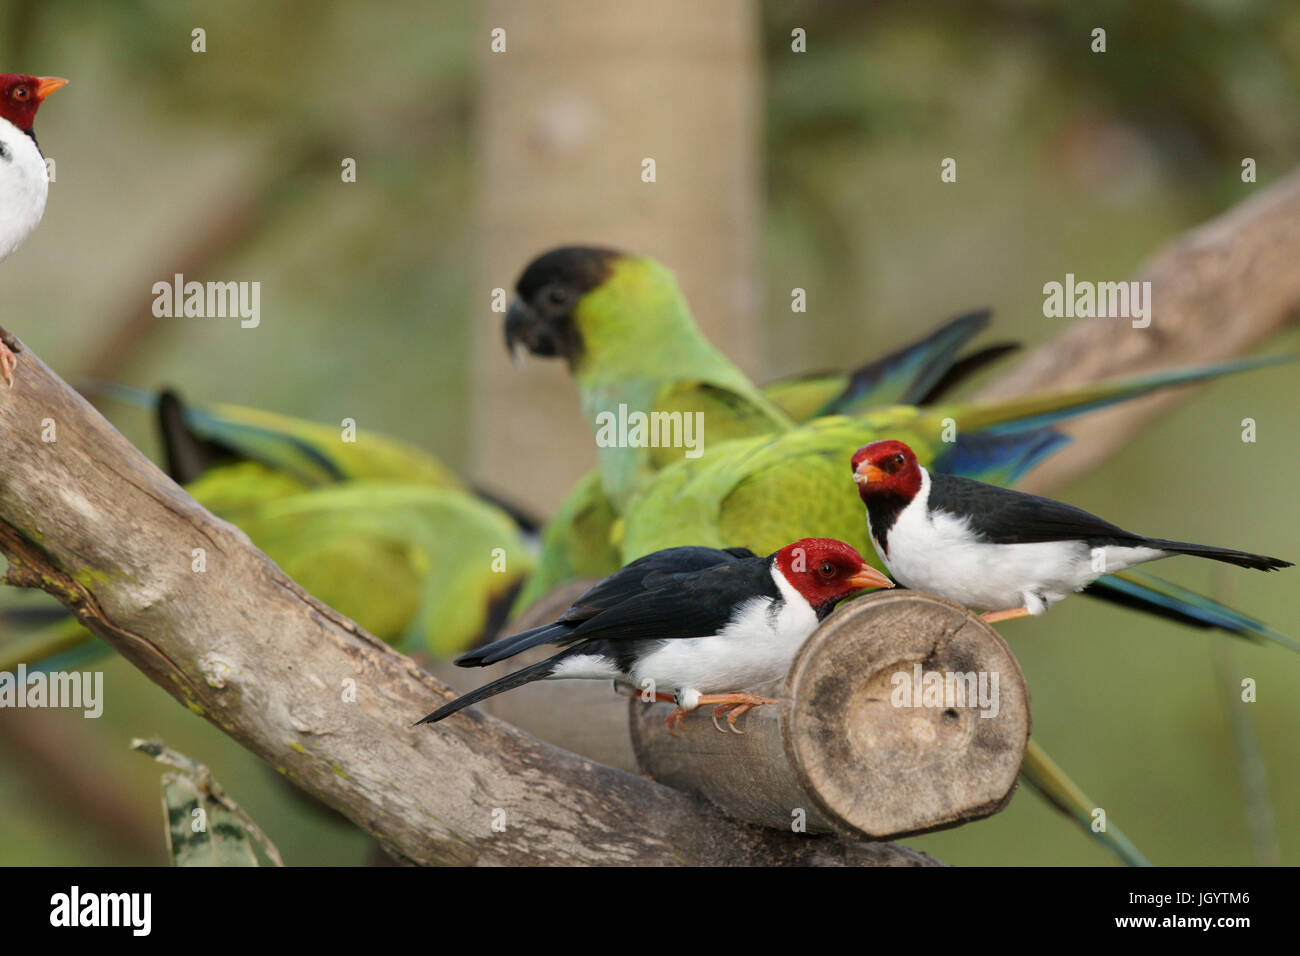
column 316, row 453
column 764, row 493
column 416, row 566
column 805, row 397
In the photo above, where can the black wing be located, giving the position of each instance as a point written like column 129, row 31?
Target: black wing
column 662, row 571
column 1003, row 516
column 686, row 605
column 651, row 571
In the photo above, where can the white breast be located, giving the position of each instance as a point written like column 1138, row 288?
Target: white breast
column 758, row 646
column 24, row 185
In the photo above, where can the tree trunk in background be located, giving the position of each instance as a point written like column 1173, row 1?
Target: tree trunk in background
column 584, row 92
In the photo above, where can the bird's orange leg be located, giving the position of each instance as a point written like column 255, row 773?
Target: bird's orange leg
column 675, row 718
column 732, row 705
column 992, row 617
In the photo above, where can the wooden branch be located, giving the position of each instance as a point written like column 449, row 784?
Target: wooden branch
column 86, row 517
column 1216, row 292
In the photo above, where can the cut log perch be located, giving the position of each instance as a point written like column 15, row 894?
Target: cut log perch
column 86, row 517
column 903, row 713
column 837, row 755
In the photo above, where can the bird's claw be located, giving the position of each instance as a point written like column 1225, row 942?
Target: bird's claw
column 734, row 706
column 733, row 712
column 674, row 721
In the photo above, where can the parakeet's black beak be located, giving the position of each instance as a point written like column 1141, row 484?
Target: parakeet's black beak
column 520, row 320
column 547, row 337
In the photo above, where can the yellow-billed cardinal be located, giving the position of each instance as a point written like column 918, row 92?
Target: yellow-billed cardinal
column 24, row 182
column 993, row 549
column 701, row 622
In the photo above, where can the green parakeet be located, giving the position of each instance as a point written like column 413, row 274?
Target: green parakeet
column 423, row 568
column 376, row 528
column 581, row 539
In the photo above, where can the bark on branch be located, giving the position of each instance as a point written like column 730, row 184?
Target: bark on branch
column 86, row 517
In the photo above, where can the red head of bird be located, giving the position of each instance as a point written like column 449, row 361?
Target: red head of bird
column 886, row 469
column 21, row 97
column 824, row 570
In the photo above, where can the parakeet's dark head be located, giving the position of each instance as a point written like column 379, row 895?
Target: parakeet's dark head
column 541, row 317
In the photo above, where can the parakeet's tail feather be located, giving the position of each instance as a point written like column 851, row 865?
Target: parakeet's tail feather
column 1049, row 408
column 188, row 455
column 526, row 675
column 127, row 394
column 57, row 640
column 1143, row 591
column 1043, row 774
column 998, row 459
column 27, row 617
column 272, row 445
column 906, row 374
column 964, row 368
column 222, row 434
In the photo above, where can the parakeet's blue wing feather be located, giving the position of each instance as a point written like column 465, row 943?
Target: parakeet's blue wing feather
column 1001, row 459
column 904, row 376
column 1144, row 591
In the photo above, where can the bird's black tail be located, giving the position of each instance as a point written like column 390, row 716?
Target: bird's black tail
column 513, row 644
column 520, row 677
column 1243, row 559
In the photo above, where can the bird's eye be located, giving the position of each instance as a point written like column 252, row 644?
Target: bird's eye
column 898, row 459
column 827, row 570
column 20, row 93
column 558, row 295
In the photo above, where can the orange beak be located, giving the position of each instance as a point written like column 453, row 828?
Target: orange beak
column 869, row 577
column 866, row 473
column 45, row 85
